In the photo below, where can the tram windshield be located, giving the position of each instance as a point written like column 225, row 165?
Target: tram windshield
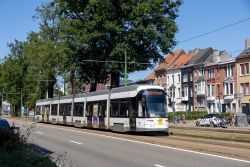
column 155, row 102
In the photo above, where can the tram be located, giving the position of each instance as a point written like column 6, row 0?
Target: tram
column 132, row 108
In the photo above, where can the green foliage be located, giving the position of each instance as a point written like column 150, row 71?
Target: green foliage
column 103, row 30
column 189, row 115
column 23, row 157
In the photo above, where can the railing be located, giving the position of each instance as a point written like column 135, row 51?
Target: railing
column 235, row 121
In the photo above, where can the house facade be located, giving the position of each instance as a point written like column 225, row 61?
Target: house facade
column 220, row 83
column 199, row 89
column 243, row 79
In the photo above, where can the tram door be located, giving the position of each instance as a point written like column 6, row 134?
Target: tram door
column 89, row 113
column 132, row 113
column 95, row 115
column 42, row 112
column 46, row 113
column 102, row 111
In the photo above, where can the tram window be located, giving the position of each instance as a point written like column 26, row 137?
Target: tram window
column 54, row 109
column 65, row 109
column 78, row 109
column 123, row 108
column 133, row 107
column 102, row 108
column 38, row 110
column 89, row 109
column 114, row 108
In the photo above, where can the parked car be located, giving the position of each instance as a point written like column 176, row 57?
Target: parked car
column 212, row 120
column 4, row 124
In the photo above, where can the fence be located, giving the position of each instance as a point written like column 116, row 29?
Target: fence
column 232, row 121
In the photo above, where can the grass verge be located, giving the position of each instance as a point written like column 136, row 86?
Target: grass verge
column 210, row 135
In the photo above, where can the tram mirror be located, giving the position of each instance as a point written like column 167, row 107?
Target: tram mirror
column 143, row 99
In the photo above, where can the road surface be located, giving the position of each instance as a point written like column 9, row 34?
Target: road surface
column 94, row 150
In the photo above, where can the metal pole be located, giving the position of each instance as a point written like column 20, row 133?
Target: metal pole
column 2, row 100
column 21, row 103
column 126, row 72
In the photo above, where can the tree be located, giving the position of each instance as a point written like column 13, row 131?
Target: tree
column 103, row 30
column 14, row 78
column 45, row 49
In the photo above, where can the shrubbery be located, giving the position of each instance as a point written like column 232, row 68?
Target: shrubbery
column 188, row 115
column 14, row 150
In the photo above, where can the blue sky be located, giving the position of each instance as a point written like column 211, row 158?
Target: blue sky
column 195, row 17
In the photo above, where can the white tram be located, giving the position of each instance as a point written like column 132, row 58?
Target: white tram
column 131, row 108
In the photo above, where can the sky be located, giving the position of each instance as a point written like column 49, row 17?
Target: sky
column 195, row 17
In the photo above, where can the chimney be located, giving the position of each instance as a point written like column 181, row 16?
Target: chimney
column 216, row 56
column 247, row 43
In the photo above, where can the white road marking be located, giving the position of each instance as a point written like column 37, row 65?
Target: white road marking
column 75, row 142
column 40, row 133
column 157, row 165
column 156, row 145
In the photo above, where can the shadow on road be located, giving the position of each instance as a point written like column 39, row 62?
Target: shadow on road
column 40, row 150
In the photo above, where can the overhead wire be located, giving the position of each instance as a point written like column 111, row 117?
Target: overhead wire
column 215, row 30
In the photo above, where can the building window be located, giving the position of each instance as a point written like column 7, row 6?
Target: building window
column 208, row 90
column 179, row 78
column 211, row 73
column 242, row 88
column 173, row 92
column 185, row 78
column 202, row 71
column 229, row 71
column 191, row 77
column 212, row 89
column 231, row 88
column 191, row 92
column 247, row 68
column 247, row 88
column 242, row 69
column 179, row 92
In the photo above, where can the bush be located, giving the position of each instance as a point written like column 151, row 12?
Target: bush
column 13, row 138
column 15, row 151
column 23, row 157
column 188, row 115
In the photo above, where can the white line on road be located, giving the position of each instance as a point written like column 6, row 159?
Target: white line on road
column 156, row 145
column 75, row 142
column 40, row 133
column 157, row 165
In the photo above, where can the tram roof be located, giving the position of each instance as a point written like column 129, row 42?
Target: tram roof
column 134, row 88
column 103, row 92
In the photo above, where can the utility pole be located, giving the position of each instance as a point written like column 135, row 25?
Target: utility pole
column 126, row 72
column 21, row 103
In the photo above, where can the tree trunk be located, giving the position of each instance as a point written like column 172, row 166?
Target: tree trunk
column 93, row 87
column 51, row 82
column 115, row 79
column 73, row 82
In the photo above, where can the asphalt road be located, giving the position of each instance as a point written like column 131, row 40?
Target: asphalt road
column 86, row 149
